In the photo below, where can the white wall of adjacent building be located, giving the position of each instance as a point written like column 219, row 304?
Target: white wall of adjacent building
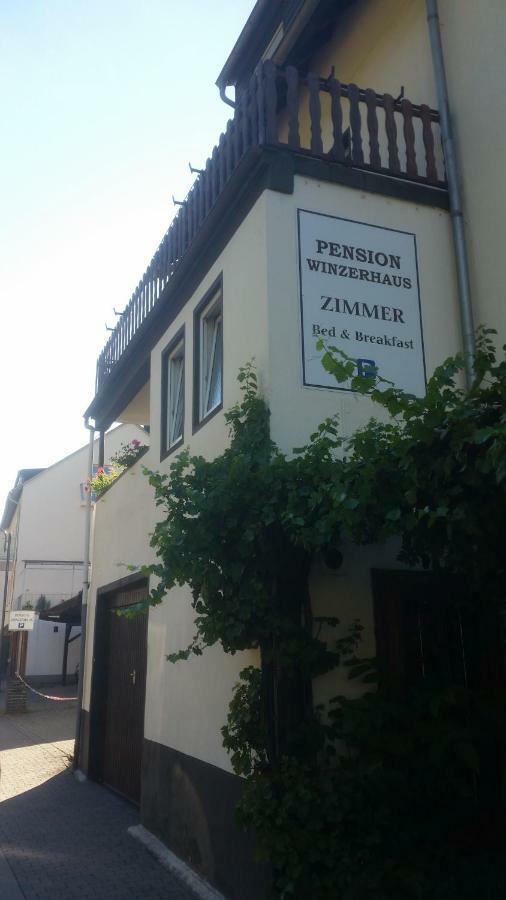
column 49, row 527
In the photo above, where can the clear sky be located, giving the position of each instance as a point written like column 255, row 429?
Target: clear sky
column 103, row 104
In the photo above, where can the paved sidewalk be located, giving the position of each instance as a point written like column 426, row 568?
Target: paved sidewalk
column 60, row 839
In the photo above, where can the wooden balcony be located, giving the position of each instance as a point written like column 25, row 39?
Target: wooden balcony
column 306, row 115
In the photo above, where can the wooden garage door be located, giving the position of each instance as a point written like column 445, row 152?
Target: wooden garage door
column 125, row 689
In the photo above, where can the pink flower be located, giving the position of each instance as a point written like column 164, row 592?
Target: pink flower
column 100, row 471
column 136, row 443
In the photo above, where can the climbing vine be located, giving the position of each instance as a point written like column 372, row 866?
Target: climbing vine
column 376, row 796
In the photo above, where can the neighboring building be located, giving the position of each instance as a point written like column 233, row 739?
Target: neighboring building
column 45, row 517
column 325, row 206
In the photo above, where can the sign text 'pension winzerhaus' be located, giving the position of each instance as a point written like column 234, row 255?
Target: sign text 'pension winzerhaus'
column 359, row 287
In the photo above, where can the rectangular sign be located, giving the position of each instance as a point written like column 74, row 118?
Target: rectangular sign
column 359, row 291
column 22, row 620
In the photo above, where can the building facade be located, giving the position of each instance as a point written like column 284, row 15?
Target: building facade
column 323, row 211
column 45, row 517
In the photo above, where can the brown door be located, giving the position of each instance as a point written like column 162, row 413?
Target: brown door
column 125, row 691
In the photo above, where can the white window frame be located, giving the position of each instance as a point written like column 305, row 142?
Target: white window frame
column 175, row 389
column 210, row 344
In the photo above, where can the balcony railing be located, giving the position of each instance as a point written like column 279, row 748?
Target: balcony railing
column 308, row 115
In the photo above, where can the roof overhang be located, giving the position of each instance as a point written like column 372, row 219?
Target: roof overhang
column 305, row 24
column 14, row 495
column 68, row 611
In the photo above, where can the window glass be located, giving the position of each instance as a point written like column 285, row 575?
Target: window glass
column 211, row 358
column 175, row 396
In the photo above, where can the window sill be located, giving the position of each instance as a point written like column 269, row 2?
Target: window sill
column 201, row 422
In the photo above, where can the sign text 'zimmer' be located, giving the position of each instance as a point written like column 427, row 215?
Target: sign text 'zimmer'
column 359, row 291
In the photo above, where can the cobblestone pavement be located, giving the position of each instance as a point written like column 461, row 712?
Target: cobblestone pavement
column 60, row 839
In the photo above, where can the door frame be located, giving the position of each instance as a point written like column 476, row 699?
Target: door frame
column 98, row 677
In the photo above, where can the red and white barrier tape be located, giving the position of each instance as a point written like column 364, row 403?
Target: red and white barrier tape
column 40, row 694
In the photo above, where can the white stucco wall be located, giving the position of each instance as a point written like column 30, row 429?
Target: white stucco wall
column 50, row 533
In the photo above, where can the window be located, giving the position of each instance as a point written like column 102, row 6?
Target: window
column 428, row 632
column 172, row 420
column 208, row 356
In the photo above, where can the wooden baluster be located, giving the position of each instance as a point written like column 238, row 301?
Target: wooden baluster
column 189, row 215
column 391, row 130
column 199, row 197
column 177, row 237
column 292, row 107
column 170, row 252
column 372, row 127
column 337, row 149
column 428, row 142
column 245, row 102
column 259, row 135
column 147, row 291
column 135, row 313
column 215, row 176
column 208, row 187
column 182, row 233
column 165, row 273
column 181, row 230
column 195, row 210
column 229, row 149
column 163, row 264
column 409, row 137
column 222, row 177
column 119, row 329
column 355, row 125
column 140, row 299
column 158, row 271
column 132, row 308
column 315, row 113
column 154, row 278
column 271, row 102
column 147, row 294
column 236, row 151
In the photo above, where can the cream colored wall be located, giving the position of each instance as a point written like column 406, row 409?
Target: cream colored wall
column 186, row 703
column 137, row 411
column 296, row 409
column 123, row 520
column 384, row 44
column 474, row 43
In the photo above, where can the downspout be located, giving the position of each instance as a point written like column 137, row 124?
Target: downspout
column 4, row 608
column 454, row 191
column 226, row 99
column 84, row 601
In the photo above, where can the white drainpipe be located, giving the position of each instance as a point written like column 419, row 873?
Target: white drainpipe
column 454, row 191
column 84, row 607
